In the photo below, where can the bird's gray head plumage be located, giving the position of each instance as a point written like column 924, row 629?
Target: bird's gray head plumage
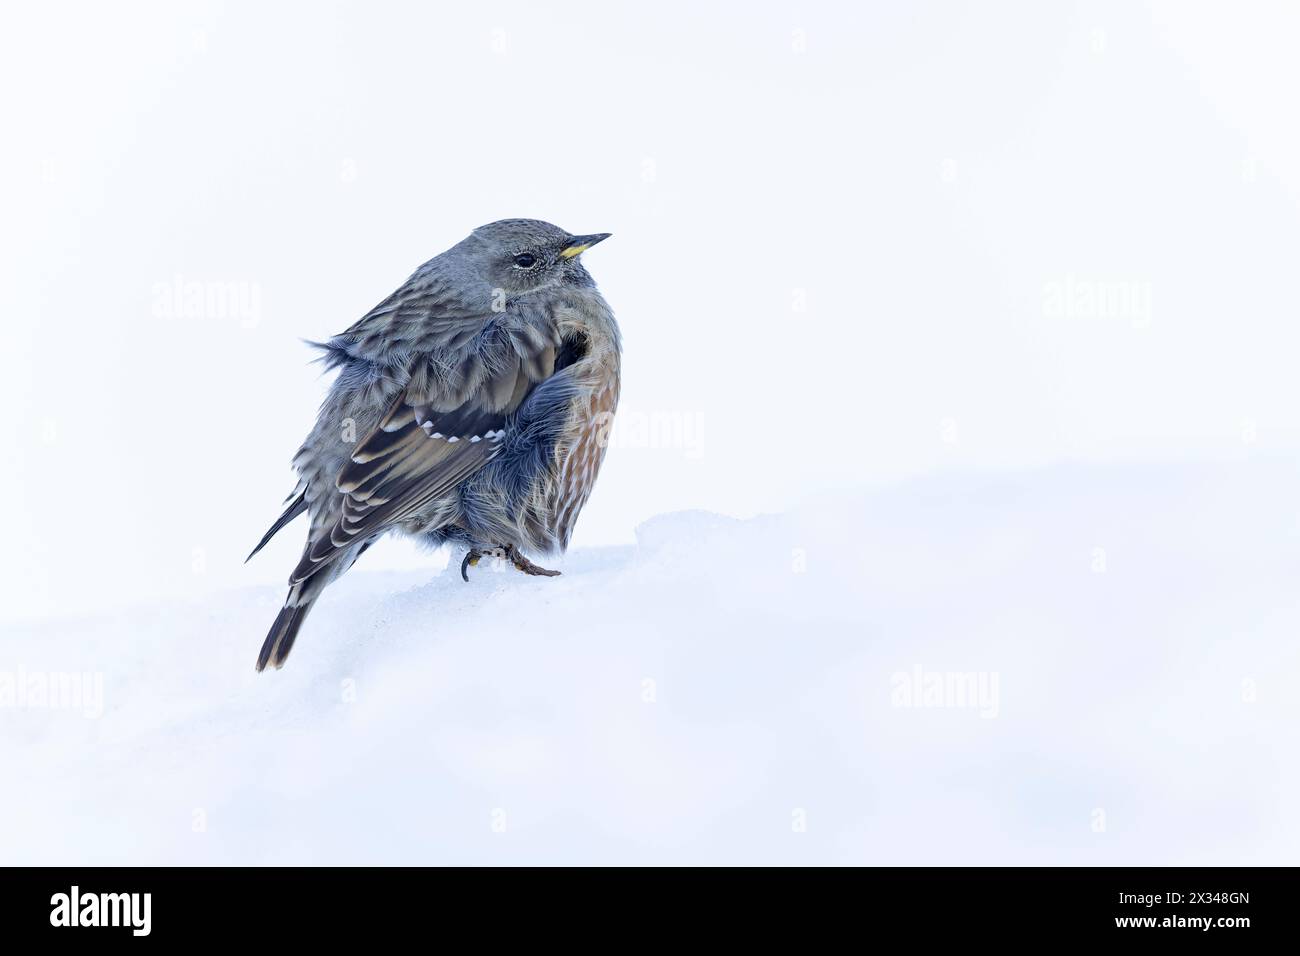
column 518, row 256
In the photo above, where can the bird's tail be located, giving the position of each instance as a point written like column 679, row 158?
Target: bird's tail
column 279, row 641
column 302, row 595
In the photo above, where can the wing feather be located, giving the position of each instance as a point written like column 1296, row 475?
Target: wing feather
column 447, row 423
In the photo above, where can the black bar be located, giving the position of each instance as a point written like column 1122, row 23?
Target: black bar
column 975, row 905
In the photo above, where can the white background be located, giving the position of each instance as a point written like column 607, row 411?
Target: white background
column 841, row 231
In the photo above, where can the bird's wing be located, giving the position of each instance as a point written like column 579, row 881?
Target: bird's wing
column 425, row 313
column 445, row 425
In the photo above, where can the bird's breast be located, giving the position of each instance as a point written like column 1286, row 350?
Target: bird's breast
column 581, row 449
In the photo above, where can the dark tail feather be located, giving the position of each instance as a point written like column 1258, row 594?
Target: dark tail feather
column 279, row 642
column 298, row 506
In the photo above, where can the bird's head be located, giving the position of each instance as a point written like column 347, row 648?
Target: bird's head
column 524, row 255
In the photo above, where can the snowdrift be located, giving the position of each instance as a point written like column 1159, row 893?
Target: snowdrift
column 1080, row 665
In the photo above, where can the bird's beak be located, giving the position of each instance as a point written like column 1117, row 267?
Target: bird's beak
column 580, row 244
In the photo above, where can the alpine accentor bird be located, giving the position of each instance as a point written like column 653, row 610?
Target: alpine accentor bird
column 471, row 407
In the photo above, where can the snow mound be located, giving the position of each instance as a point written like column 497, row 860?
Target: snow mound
column 1081, row 665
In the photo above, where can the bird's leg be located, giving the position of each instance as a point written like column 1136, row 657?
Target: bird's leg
column 509, row 553
column 523, row 564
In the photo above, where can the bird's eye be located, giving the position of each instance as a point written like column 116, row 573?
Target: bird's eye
column 525, row 260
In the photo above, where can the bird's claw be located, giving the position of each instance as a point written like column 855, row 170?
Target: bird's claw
column 511, row 554
column 523, row 564
column 471, row 561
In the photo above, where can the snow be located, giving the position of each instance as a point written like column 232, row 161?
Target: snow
column 724, row 691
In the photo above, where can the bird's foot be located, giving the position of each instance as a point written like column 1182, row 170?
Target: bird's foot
column 510, row 553
column 523, row 564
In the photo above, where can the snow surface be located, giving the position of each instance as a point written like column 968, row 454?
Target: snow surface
column 1146, row 713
